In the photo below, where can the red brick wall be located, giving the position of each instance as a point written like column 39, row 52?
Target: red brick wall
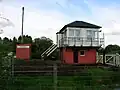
column 67, row 56
column 89, row 58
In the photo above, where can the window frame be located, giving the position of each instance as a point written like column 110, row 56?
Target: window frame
column 72, row 33
column 91, row 35
column 82, row 51
column 76, row 31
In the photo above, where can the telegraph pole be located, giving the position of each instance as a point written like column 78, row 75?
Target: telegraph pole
column 22, row 25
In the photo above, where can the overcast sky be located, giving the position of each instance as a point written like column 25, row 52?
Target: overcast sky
column 46, row 17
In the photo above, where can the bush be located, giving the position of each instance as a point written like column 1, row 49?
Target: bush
column 5, row 70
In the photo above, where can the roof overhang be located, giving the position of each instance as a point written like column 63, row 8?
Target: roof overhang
column 78, row 26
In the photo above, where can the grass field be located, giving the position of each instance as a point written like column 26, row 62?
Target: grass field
column 46, row 83
column 93, row 79
column 83, row 79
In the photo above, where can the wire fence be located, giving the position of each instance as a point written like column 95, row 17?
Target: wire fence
column 48, row 75
column 61, row 77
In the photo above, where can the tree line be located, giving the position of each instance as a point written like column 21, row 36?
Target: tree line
column 39, row 45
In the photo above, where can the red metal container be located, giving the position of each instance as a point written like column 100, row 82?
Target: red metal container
column 23, row 51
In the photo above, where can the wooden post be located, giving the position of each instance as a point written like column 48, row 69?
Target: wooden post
column 55, row 75
column 12, row 67
column 104, row 56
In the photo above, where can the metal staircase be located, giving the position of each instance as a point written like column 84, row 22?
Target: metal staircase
column 48, row 51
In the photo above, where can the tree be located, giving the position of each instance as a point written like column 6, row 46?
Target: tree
column 111, row 49
column 14, row 42
column 0, row 40
column 19, row 39
column 40, row 45
column 5, row 45
column 6, row 40
column 26, row 39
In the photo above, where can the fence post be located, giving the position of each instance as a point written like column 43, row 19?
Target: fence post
column 12, row 67
column 104, row 61
column 55, row 75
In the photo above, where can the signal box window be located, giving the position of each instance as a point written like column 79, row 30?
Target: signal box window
column 82, row 53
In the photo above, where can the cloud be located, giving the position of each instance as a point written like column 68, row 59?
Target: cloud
column 46, row 17
column 37, row 22
column 107, row 16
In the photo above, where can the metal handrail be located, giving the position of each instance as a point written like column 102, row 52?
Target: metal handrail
column 47, row 49
column 52, row 51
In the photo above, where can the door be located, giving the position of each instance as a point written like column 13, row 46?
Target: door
column 75, row 56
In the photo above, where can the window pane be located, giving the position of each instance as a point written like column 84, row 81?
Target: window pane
column 71, row 32
column 96, row 34
column 91, row 34
column 65, row 34
column 82, row 53
column 77, row 32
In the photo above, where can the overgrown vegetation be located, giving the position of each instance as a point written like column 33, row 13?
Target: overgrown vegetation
column 5, row 70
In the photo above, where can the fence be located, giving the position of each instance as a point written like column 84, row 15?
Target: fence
column 64, row 77
column 47, row 75
column 110, row 59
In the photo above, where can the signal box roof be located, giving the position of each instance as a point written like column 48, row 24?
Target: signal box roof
column 79, row 24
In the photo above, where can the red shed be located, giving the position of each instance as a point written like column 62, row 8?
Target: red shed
column 23, row 51
column 78, row 42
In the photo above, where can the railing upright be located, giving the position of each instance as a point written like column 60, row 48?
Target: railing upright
column 68, row 40
column 82, row 40
column 91, row 41
column 74, row 41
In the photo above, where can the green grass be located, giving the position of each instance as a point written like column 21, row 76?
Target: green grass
column 46, row 83
column 92, row 79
